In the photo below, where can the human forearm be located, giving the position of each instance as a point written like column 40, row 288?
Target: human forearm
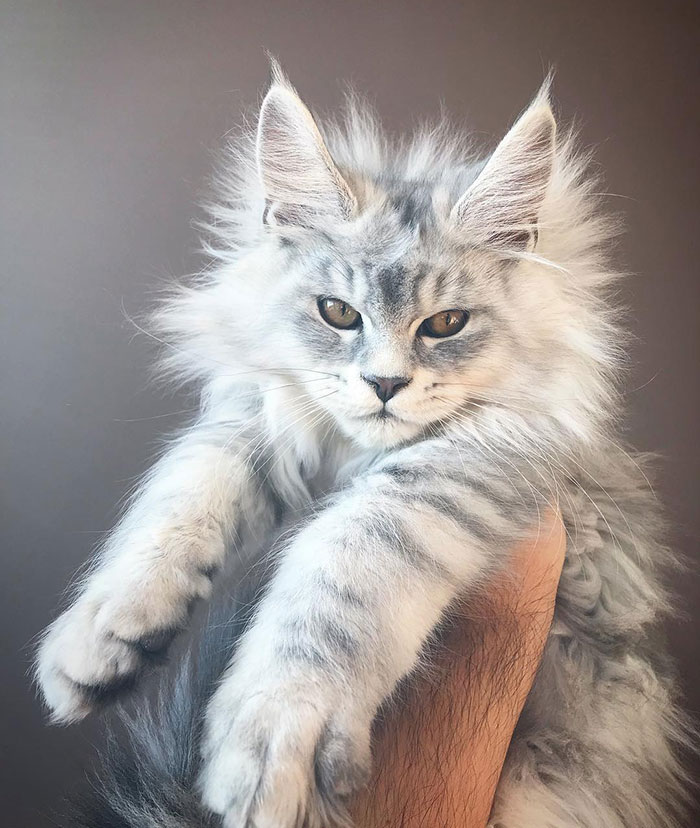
column 440, row 747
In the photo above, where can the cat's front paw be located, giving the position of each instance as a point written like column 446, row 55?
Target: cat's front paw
column 123, row 622
column 80, row 667
column 284, row 755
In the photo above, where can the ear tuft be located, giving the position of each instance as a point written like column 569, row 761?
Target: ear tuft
column 299, row 178
column 500, row 209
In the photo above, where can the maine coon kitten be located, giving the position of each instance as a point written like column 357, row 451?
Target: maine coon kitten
column 405, row 356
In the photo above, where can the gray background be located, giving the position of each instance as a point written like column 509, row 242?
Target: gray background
column 111, row 113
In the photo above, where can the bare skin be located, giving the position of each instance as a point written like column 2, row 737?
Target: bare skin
column 439, row 751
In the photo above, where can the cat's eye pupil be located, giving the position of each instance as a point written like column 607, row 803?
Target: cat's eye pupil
column 444, row 323
column 338, row 313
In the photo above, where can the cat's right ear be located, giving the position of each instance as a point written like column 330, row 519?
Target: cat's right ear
column 501, row 207
column 300, row 180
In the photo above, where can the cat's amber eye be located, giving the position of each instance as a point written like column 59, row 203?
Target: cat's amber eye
column 339, row 314
column 445, row 323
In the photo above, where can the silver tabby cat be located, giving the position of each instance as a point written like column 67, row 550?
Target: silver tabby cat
column 407, row 353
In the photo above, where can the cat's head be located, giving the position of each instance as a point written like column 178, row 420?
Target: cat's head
column 405, row 286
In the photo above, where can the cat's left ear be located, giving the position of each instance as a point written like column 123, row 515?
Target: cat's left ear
column 500, row 209
column 299, row 178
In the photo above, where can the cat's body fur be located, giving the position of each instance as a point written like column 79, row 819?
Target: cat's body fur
column 381, row 516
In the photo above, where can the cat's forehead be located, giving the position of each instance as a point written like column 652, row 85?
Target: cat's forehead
column 395, row 261
column 400, row 265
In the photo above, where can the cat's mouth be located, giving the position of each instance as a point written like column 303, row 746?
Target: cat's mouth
column 381, row 415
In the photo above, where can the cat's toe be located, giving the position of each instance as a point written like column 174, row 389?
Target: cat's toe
column 342, row 765
column 282, row 760
column 78, row 668
column 153, row 646
column 258, row 765
column 83, row 665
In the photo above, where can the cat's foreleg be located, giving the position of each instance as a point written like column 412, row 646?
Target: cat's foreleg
column 356, row 595
column 156, row 563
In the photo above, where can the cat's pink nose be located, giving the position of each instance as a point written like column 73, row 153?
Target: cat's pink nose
column 386, row 387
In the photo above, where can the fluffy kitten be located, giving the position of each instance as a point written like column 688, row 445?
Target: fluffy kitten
column 405, row 355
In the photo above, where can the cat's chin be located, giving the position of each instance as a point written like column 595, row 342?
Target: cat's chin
column 381, row 433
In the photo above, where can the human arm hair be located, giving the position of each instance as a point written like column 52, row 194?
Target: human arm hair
column 440, row 746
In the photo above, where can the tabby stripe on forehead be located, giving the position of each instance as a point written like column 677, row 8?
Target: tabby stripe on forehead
column 440, row 282
column 419, row 294
column 331, row 266
column 392, row 283
column 349, row 274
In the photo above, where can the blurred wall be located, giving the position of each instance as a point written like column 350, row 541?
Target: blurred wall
column 111, row 112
